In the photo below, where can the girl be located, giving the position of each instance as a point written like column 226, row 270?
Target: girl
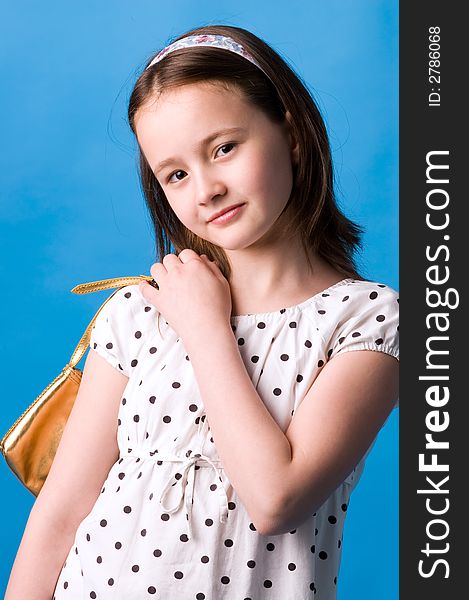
column 223, row 418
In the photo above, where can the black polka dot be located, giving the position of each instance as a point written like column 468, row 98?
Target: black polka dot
column 251, row 564
column 322, row 555
column 345, row 298
column 292, row 324
column 183, row 538
column 136, row 418
column 228, row 543
column 200, row 596
column 267, row 583
column 320, row 363
column 344, row 507
column 356, row 334
column 99, row 559
column 270, row 547
column 254, row 358
column 109, row 345
column 103, row 522
column 313, row 549
column 284, row 357
column 143, row 533
column 110, row 581
column 322, row 312
column 231, row 505
column 152, row 350
column 308, row 344
column 147, row 308
column 261, row 325
column 252, row 527
column 379, row 341
column 373, row 295
column 92, row 594
column 157, row 553
column 134, row 363
column 193, row 407
column 205, row 559
column 117, row 545
column 176, row 385
column 138, row 334
column 178, row 575
column 225, row 579
column 127, row 294
column 380, row 318
column 127, row 509
column 166, row 419
column 165, row 517
column 276, row 391
column 332, row 519
column 152, row 590
column 135, row 568
column 208, row 522
column 65, row 585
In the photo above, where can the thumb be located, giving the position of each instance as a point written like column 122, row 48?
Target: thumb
column 145, row 290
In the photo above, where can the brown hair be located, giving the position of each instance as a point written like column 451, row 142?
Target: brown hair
column 311, row 211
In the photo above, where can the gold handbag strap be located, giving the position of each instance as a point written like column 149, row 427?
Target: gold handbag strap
column 95, row 286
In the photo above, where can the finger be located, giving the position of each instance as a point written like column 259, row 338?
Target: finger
column 158, row 271
column 148, row 291
column 170, row 259
column 187, row 254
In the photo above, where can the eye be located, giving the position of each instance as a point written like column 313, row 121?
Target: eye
column 230, row 146
column 175, row 173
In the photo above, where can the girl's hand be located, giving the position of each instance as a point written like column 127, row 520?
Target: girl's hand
column 193, row 294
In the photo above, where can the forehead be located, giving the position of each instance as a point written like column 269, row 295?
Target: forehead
column 192, row 104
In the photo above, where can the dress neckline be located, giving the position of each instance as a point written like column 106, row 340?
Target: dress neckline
column 295, row 307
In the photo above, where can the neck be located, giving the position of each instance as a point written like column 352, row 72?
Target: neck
column 264, row 280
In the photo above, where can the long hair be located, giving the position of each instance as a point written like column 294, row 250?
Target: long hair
column 311, row 211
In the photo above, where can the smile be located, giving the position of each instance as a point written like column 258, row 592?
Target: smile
column 228, row 216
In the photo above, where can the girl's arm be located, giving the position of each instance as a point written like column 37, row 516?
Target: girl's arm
column 86, row 452
column 282, row 478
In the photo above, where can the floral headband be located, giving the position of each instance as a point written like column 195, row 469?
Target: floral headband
column 214, row 41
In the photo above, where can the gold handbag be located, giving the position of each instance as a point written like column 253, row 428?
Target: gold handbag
column 29, row 446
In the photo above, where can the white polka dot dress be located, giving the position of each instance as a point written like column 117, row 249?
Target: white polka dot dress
column 168, row 524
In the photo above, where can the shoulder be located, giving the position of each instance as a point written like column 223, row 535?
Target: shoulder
column 121, row 325
column 358, row 295
column 125, row 305
column 359, row 315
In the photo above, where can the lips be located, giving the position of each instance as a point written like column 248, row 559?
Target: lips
column 223, row 211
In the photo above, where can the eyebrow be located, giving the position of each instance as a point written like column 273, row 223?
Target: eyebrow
column 200, row 145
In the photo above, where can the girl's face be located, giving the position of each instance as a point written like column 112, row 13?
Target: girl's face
column 209, row 150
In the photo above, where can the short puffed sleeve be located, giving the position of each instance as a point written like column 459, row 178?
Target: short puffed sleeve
column 111, row 336
column 368, row 319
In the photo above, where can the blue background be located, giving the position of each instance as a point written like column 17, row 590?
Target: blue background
column 71, row 209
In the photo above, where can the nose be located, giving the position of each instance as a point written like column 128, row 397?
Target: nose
column 208, row 185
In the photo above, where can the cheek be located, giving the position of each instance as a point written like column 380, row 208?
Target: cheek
column 269, row 174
